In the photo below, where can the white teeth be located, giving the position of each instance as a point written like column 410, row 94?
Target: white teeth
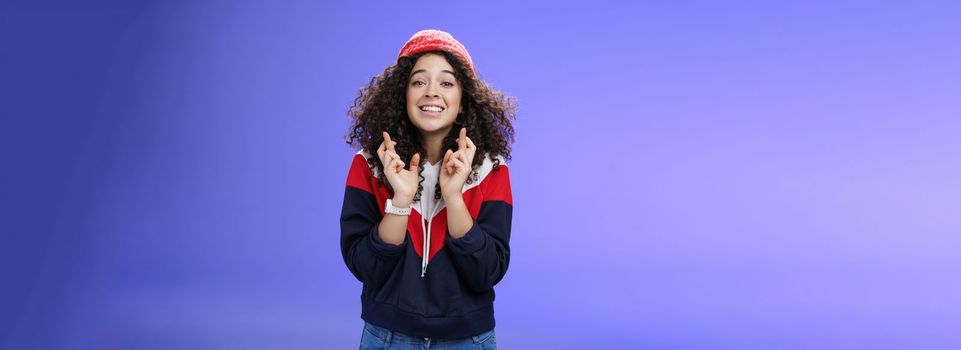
column 431, row 108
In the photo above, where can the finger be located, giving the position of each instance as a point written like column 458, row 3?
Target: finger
column 395, row 164
column 462, row 139
column 391, row 153
column 456, row 164
column 470, row 152
column 468, row 157
column 415, row 162
column 446, row 162
column 398, row 163
column 389, row 165
column 390, row 143
column 460, row 155
column 457, row 160
column 470, row 144
column 380, row 151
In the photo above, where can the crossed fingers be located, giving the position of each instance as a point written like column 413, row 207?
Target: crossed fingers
column 389, row 157
column 463, row 157
column 388, row 154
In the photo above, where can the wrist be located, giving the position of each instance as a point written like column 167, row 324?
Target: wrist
column 453, row 197
column 390, row 208
column 402, row 201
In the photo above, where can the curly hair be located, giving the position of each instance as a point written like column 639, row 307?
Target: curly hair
column 382, row 106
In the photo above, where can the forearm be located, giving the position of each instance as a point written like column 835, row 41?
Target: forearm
column 459, row 220
column 481, row 255
column 393, row 228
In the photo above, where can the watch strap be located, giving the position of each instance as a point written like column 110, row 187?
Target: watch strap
column 391, row 209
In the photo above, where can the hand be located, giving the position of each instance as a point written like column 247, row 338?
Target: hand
column 457, row 166
column 403, row 180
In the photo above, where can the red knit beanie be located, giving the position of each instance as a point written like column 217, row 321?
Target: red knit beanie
column 436, row 40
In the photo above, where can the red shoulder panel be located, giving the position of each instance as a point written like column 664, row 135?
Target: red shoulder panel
column 497, row 185
column 360, row 176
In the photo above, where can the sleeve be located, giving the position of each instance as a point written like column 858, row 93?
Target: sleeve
column 482, row 255
column 370, row 259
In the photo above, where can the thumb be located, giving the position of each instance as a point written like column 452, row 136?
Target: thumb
column 415, row 162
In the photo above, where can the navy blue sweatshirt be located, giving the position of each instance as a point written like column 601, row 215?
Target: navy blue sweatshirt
column 450, row 293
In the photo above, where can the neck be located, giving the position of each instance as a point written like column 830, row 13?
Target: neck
column 433, row 143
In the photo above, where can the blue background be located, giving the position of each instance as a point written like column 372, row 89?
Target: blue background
column 687, row 174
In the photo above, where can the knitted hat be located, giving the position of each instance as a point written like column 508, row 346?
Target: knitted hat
column 436, row 40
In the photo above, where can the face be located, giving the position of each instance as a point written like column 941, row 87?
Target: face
column 433, row 95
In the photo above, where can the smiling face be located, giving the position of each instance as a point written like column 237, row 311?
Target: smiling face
column 433, row 95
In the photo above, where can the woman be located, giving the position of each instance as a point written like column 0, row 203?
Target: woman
column 427, row 211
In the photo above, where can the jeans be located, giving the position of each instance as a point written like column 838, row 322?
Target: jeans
column 375, row 337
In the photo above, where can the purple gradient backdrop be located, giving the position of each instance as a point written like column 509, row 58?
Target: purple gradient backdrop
column 687, row 175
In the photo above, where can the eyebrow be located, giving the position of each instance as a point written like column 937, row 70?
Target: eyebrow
column 424, row 70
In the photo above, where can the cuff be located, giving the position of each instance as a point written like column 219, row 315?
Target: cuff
column 383, row 248
column 471, row 242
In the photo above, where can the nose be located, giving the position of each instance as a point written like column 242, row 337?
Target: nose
column 432, row 90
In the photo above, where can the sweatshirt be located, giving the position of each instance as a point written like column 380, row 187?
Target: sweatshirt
column 448, row 292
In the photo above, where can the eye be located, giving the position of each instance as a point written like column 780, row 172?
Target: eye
column 417, row 83
column 447, row 84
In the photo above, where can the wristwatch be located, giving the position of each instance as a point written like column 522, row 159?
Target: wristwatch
column 391, row 209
